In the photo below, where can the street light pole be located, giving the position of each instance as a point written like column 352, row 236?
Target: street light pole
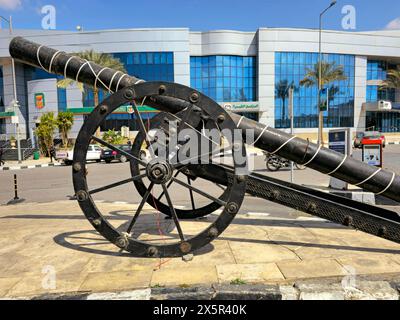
column 16, row 106
column 321, row 113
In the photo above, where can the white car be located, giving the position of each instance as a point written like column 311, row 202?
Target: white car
column 93, row 154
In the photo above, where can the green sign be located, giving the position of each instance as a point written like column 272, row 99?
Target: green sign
column 241, row 106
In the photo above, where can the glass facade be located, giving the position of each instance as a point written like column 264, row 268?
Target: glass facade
column 149, row 66
column 32, row 73
column 225, row 78
column 383, row 121
column 290, row 69
column 377, row 70
column 375, row 94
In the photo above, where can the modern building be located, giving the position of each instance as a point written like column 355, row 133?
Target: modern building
column 247, row 72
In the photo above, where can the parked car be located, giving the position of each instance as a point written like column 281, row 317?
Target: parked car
column 361, row 137
column 109, row 155
column 67, row 156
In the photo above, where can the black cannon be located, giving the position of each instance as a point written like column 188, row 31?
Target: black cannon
column 163, row 150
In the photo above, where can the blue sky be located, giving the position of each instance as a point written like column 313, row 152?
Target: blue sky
column 201, row 14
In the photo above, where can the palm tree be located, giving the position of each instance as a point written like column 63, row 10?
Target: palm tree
column 393, row 80
column 282, row 89
column 65, row 121
column 102, row 59
column 330, row 72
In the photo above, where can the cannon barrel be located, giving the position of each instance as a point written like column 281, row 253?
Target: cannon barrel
column 274, row 141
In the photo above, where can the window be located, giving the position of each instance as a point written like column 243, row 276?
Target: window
column 149, row 66
column 383, row 121
column 377, row 70
column 290, row 69
column 374, row 94
column 225, row 78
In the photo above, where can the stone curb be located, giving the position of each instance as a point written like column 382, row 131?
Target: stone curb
column 361, row 288
column 30, row 167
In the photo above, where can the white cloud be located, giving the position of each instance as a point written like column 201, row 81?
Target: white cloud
column 394, row 24
column 10, row 4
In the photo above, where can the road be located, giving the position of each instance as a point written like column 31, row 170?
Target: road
column 54, row 184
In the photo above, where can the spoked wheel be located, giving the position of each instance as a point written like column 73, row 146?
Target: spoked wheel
column 159, row 170
column 273, row 164
column 159, row 131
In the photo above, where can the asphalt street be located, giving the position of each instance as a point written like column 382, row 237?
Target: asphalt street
column 54, row 184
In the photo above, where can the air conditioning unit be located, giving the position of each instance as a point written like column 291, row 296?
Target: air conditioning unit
column 384, row 105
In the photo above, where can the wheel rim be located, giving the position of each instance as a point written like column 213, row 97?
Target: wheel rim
column 124, row 240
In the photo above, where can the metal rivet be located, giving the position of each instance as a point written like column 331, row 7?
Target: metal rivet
column 221, row 118
column 274, row 194
column 233, row 208
column 382, row 231
column 97, row 222
column 129, row 94
column 194, row 97
column 348, row 221
column 162, row 89
column 312, row 208
column 152, row 252
column 185, row 247
column 122, row 242
column 82, row 195
column 103, row 109
column 77, row 167
column 213, row 233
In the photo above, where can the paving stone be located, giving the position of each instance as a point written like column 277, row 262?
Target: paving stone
column 290, row 293
column 184, row 277
column 116, row 281
column 322, row 290
column 311, row 269
column 193, row 293
column 247, row 292
column 34, row 285
column 372, row 290
column 367, row 265
column 126, row 295
column 249, row 272
column 6, row 284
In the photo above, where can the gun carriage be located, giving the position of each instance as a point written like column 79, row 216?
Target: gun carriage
column 182, row 110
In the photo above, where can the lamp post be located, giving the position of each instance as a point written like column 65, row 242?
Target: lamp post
column 321, row 113
column 16, row 105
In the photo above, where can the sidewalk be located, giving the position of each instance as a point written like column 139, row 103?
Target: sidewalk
column 29, row 164
column 53, row 241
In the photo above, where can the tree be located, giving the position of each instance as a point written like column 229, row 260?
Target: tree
column 102, row 59
column 392, row 81
column 65, row 121
column 45, row 132
column 282, row 89
column 330, row 72
column 113, row 137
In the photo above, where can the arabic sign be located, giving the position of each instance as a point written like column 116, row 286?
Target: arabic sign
column 241, row 106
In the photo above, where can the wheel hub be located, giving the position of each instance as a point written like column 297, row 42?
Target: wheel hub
column 159, row 171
